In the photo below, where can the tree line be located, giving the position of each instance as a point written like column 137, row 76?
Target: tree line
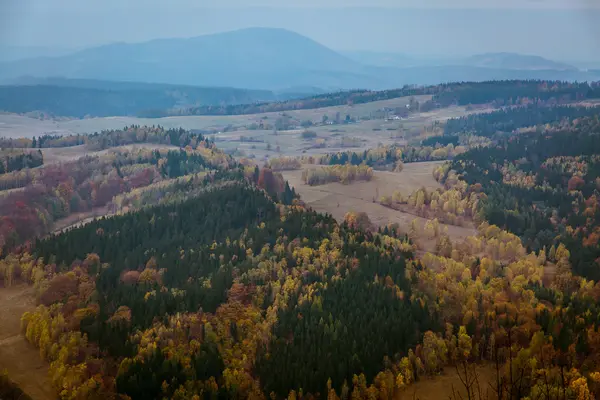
column 511, row 119
column 134, row 134
column 514, row 92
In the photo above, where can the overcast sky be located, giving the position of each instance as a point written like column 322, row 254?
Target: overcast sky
column 559, row 29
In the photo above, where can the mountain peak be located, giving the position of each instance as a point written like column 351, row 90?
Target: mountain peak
column 254, row 57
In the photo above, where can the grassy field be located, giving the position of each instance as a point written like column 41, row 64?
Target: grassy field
column 259, row 144
column 367, row 134
column 12, row 125
column 21, row 360
column 338, row 199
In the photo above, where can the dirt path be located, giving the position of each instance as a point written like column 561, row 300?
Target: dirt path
column 79, row 219
column 17, row 356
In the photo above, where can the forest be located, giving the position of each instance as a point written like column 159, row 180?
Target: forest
column 87, row 98
column 511, row 119
column 500, row 93
column 15, row 160
column 134, row 134
column 543, row 188
column 80, row 98
column 217, row 281
column 511, row 93
column 90, row 182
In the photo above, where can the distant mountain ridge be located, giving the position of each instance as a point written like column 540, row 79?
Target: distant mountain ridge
column 516, row 61
column 276, row 59
column 510, row 61
column 14, row 53
column 256, row 58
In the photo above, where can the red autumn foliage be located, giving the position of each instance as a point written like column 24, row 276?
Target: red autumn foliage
column 60, row 287
column 272, row 182
column 130, row 277
column 575, row 183
column 241, row 293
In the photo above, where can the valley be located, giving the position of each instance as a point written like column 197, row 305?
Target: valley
column 299, row 200
column 441, row 253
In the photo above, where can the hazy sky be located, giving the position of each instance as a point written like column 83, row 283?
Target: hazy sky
column 559, row 29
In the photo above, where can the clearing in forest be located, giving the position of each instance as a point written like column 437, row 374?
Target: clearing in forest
column 19, row 358
column 337, row 199
column 448, row 385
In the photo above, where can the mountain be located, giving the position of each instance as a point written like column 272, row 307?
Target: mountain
column 428, row 75
column 257, row 58
column 509, row 61
column 279, row 60
column 515, row 61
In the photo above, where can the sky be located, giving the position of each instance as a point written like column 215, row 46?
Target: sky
column 564, row 30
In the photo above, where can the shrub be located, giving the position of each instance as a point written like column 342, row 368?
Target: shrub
column 309, row 135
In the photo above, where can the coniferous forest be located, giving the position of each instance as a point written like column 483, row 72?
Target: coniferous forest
column 213, row 280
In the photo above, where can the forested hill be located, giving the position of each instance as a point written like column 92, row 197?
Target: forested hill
column 498, row 93
column 512, row 119
column 218, row 282
column 543, row 186
column 81, row 98
column 214, row 274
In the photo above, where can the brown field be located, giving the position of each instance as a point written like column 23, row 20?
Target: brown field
column 21, row 360
column 441, row 387
column 338, row 199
